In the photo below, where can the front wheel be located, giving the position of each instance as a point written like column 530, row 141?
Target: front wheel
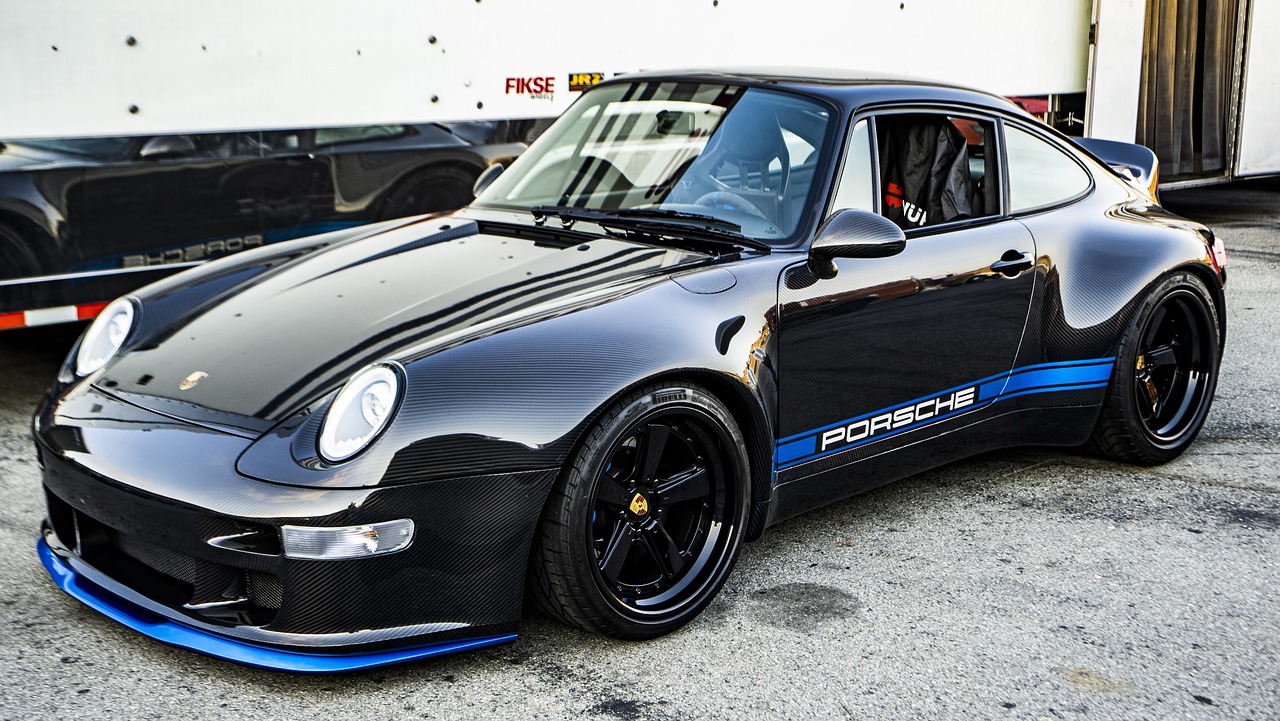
column 646, row 521
column 1165, row 375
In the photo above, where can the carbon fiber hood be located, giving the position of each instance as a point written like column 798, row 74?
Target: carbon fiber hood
column 279, row 341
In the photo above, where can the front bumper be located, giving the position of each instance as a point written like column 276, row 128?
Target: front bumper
column 136, row 616
column 138, row 504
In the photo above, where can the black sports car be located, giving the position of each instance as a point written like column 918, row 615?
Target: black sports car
column 699, row 304
column 83, row 220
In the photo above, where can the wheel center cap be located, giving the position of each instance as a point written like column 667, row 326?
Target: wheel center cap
column 639, row 504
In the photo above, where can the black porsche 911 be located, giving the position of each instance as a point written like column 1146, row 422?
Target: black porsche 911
column 699, row 304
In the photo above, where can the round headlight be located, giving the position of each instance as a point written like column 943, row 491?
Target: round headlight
column 361, row 410
column 105, row 336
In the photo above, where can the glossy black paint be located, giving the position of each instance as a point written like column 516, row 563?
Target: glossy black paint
column 106, row 216
column 515, row 335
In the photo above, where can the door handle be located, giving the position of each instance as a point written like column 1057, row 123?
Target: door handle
column 1012, row 263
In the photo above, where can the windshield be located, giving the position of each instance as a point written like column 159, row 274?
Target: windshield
column 743, row 155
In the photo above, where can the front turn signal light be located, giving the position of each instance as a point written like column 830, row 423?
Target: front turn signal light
column 337, row 543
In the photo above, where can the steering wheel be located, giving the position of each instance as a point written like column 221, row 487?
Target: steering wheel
column 729, row 201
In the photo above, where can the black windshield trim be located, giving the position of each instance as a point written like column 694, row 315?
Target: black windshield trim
column 702, row 233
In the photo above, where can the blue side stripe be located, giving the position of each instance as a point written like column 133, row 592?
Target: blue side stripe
column 1039, row 378
column 1051, row 389
column 993, row 384
column 1057, row 376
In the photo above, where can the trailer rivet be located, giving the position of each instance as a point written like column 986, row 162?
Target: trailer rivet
column 131, row 41
column 133, row 109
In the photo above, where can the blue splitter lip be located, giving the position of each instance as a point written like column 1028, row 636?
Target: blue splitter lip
column 194, row 639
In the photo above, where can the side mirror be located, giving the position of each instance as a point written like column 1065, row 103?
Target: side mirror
column 167, row 146
column 486, row 178
column 853, row 234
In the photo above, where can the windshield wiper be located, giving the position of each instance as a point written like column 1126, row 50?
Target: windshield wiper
column 658, row 223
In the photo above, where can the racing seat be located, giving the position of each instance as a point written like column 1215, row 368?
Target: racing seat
column 733, row 172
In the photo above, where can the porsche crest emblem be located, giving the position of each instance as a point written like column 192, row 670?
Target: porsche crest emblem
column 639, row 505
column 192, row 380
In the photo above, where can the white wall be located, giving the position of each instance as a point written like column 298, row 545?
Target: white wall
column 200, row 65
column 1259, row 141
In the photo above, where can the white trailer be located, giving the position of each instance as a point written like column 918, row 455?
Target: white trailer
column 88, row 68
column 82, row 67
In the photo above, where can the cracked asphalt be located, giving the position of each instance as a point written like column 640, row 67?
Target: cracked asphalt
column 1031, row 584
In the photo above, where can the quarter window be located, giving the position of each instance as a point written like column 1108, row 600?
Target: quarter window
column 1039, row 173
column 855, row 190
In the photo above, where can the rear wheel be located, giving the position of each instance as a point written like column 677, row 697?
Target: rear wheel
column 1165, row 375
column 645, row 524
column 17, row 255
column 431, row 191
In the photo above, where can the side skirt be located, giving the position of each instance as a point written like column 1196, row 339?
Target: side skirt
column 1066, row 426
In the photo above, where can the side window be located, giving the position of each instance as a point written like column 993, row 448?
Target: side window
column 1039, row 173
column 258, row 143
column 935, row 168
column 357, row 134
column 855, row 190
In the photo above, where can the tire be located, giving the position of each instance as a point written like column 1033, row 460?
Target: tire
column 17, row 258
column 1165, row 375
column 431, row 191
column 634, row 545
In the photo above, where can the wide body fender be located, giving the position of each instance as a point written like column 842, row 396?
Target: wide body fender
column 1096, row 261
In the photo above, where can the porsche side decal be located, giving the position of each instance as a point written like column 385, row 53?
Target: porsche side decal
column 857, row 431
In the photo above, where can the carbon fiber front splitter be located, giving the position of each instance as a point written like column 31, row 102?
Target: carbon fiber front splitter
column 178, row 634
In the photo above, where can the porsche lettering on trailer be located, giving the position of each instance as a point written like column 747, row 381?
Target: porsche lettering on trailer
column 685, row 314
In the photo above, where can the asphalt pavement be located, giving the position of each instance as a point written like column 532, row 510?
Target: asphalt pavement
column 1031, row 584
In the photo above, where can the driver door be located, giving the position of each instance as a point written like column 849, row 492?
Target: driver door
column 874, row 357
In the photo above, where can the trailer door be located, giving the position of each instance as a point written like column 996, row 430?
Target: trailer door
column 1259, row 152
column 1164, row 74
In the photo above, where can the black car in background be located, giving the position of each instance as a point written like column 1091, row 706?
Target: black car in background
column 83, row 220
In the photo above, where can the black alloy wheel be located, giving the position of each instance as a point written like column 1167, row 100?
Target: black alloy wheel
column 1171, row 374
column 1165, row 375
column 647, row 522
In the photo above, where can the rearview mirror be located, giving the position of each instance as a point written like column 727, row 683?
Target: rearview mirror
column 167, row 146
column 487, row 176
column 853, row 234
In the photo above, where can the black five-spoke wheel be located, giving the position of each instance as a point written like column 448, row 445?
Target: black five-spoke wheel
column 1165, row 375
column 646, row 524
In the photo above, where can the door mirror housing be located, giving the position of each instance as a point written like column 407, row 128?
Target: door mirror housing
column 167, row 146
column 853, row 234
column 486, row 178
